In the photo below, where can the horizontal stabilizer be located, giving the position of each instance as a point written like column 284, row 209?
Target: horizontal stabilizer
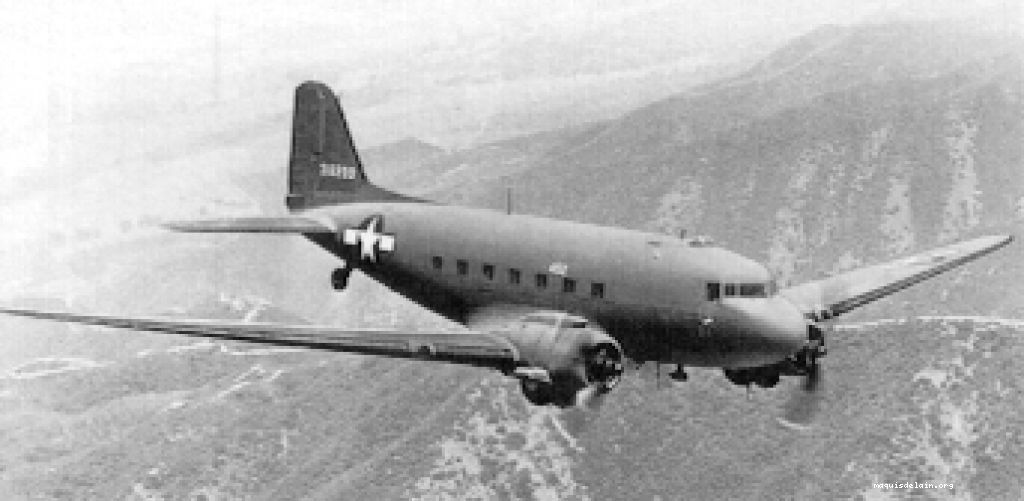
column 257, row 224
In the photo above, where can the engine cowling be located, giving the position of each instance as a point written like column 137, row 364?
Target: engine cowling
column 565, row 363
column 765, row 377
column 801, row 363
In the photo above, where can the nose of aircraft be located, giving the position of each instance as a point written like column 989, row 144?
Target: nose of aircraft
column 773, row 326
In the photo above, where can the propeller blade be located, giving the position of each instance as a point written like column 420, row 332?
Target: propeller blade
column 806, row 400
column 580, row 417
column 590, row 398
column 812, row 381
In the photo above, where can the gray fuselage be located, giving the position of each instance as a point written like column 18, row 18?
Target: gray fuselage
column 649, row 291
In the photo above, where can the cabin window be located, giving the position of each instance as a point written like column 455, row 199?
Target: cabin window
column 514, row 276
column 730, row 290
column 541, row 280
column 597, row 290
column 714, row 291
column 461, row 267
column 752, row 290
column 489, row 271
column 437, row 262
column 568, row 285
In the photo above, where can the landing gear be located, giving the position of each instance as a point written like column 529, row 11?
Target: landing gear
column 339, row 278
column 679, row 374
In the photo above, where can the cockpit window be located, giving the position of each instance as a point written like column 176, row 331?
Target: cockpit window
column 745, row 290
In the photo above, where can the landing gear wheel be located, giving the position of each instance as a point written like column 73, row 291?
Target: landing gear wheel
column 679, row 374
column 339, row 278
column 537, row 392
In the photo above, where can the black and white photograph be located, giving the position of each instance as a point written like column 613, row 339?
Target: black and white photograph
column 572, row 250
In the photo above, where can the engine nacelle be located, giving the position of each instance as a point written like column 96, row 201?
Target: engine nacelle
column 564, row 357
column 765, row 377
column 800, row 364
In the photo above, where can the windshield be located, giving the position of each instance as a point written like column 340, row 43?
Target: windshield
column 742, row 290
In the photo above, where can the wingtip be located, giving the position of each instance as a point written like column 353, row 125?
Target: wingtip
column 988, row 243
column 993, row 241
column 1001, row 240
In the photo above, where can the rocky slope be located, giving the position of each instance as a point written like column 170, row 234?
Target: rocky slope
column 931, row 399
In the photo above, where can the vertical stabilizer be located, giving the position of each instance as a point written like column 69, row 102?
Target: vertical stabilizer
column 324, row 167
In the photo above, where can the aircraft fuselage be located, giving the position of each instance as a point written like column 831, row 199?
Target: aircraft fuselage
column 653, row 293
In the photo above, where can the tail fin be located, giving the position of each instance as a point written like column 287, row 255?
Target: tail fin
column 324, row 168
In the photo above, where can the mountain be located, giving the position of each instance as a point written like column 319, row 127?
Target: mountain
column 405, row 150
column 848, row 145
column 403, row 158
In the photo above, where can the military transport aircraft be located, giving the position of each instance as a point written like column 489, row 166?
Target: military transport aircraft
column 559, row 305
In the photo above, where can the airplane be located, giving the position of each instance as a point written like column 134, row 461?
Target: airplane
column 559, row 305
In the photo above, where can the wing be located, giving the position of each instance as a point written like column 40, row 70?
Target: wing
column 836, row 295
column 471, row 348
column 258, row 224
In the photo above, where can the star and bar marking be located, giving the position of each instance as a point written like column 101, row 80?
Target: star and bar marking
column 370, row 239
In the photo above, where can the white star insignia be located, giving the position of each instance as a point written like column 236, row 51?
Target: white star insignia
column 370, row 240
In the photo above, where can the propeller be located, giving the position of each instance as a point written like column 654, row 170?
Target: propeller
column 603, row 371
column 604, row 368
column 585, row 410
column 806, row 399
column 590, row 398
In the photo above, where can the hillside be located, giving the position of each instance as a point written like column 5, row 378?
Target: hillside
column 833, row 151
column 228, row 421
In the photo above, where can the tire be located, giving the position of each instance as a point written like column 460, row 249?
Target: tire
column 339, row 278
